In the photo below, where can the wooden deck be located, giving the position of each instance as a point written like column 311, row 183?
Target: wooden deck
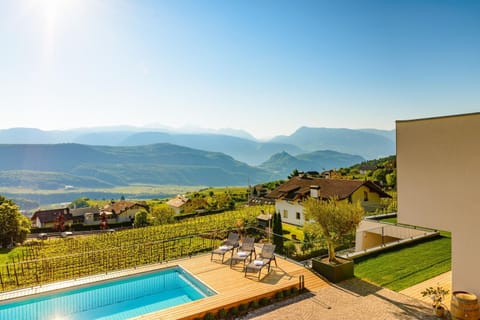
column 233, row 288
column 444, row 280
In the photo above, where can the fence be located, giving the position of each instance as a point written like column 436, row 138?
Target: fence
column 29, row 270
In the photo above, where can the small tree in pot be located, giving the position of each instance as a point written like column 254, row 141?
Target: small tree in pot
column 437, row 294
column 333, row 220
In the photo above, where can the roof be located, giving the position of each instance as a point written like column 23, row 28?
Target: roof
column 260, row 201
column 122, row 205
column 264, row 217
column 46, row 216
column 298, row 188
column 82, row 211
column 178, row 201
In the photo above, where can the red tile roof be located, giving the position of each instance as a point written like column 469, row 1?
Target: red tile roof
column 122, row 205
column 46, row 216
column 298, row 188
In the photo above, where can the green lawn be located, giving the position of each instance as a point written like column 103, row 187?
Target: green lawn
column 390, row 220
column 291, row 229
column 407, row 266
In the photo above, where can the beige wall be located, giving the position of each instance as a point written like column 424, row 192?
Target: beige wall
column 438, row 166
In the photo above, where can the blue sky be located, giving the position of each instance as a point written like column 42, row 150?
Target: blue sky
column 267, row 67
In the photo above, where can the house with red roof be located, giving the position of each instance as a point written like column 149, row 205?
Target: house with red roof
column 178, row 203
column 289, row 196
column 48, row 218
column 123, row 211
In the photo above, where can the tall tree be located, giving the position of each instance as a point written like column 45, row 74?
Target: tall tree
column 162, row 214
column 278, row 232
column 333, row 220
column 14, row 227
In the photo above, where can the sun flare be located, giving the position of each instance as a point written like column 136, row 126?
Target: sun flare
column 53, row 16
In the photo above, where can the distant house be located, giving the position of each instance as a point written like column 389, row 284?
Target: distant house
column 123, row 211
column 289, row 196
column 87, row 216
column 178, row 203
column 47, row 218
column 365, row 168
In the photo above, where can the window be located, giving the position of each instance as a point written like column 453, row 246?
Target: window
column 285, row 214
column 298, row 215
column 365, row 196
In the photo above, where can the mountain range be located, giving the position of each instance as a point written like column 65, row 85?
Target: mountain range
column 367, row 143
column 122, row 156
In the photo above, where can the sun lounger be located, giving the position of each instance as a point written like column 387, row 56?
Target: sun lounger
column 228, row 246
column 244, row 252
column 264, row 259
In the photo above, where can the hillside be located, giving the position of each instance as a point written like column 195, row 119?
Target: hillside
column 283, row 163
column 54, row 166
column 245, row 150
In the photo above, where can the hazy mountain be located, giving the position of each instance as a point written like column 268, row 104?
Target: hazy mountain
column 282, row 164
column 251, row 152
column 27, row 135
column 366, row 144
column 100, row 166
column 369, row 143
column 390, row 134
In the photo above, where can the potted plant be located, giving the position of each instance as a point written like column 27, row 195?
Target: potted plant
column 437, row 294
column 333, row 220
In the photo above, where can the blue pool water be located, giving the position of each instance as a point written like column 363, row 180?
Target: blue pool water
column 115, row 299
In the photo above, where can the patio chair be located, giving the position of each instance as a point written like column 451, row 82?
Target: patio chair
column 228, row 245
column 244, row 252
column 264, row 259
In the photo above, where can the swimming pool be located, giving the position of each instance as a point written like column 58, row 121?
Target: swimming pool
column 122, row 298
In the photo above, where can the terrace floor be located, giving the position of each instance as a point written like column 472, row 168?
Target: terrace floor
column 444, row 280
column 233, row 287
column 351, row 299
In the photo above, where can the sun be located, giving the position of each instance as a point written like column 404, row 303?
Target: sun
column 54, row 15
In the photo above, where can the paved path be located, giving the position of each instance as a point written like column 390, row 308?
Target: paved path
column 351, row 299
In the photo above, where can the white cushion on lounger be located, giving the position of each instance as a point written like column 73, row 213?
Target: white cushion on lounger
column 242, row 253
column 258, row 262
column 223, row 248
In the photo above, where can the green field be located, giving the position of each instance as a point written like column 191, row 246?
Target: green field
column 407, row 266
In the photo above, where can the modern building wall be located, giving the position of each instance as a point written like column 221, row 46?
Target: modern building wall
column 438, row 181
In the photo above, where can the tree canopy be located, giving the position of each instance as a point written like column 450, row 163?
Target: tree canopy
column 141, row 219
column 333, row 220
column 14, row 226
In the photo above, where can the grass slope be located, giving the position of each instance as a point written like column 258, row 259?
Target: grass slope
column 407, row 266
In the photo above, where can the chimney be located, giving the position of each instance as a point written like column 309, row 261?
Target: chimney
column 314, row 191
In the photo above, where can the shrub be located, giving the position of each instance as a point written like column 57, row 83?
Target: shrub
column 243, row 307
column 264, row 301
column 233, row 311
column 255, row 304
column 279, row 295
column 209, row 316
column 287, row 292
column 294, row 290
column 222, row 314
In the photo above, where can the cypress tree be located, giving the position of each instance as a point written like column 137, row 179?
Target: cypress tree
column 277, row 232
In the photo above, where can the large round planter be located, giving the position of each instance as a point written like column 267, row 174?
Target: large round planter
column 334, row 272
